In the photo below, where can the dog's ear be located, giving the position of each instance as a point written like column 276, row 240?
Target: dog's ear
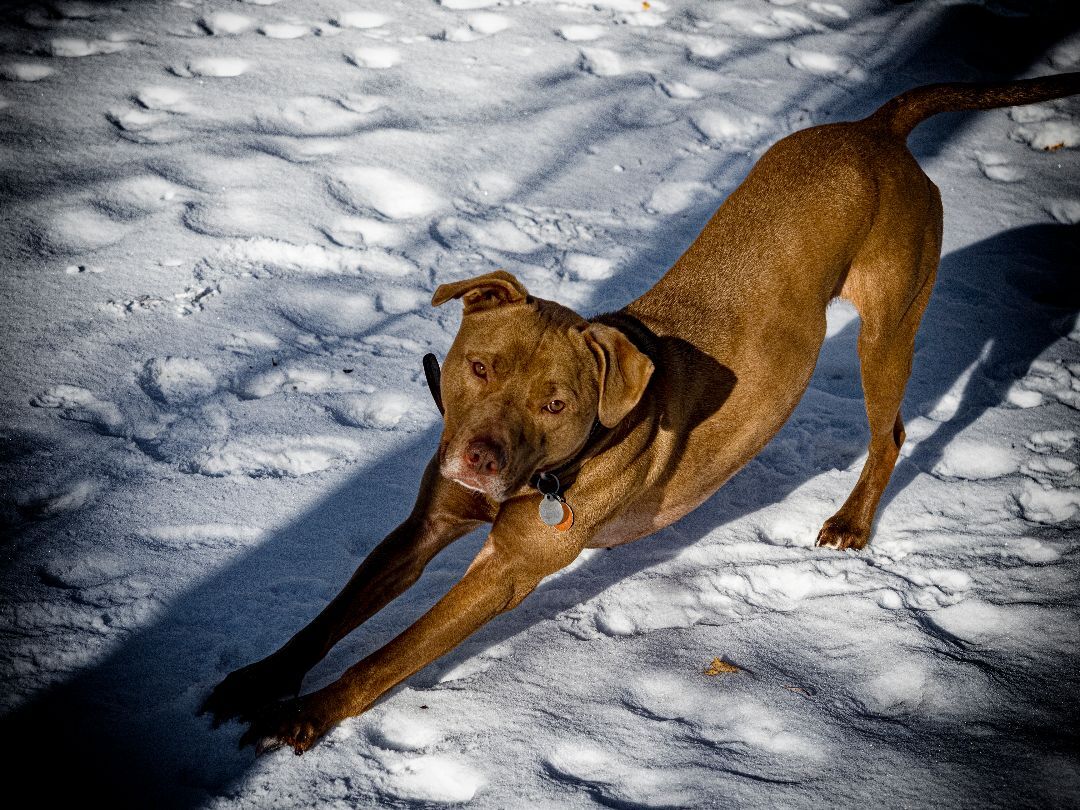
column 483, row 292
column 624, row 372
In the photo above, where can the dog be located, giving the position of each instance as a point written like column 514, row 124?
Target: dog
column 567, row 433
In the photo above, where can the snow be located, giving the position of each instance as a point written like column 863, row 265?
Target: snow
column 223, row 224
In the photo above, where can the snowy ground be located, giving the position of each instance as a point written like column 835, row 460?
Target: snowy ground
column 222, row 224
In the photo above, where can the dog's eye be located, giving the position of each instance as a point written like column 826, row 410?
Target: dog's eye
column 479, row 369
column 555, row 406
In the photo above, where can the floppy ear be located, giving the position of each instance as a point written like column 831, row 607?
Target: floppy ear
column 482, row 292
column 624, row 372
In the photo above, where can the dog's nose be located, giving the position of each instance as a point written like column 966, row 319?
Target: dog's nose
column 485, row 457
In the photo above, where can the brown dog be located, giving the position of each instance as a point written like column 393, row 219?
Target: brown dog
column 567, row 433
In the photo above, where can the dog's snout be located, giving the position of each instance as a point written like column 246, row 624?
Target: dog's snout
column 485, row 457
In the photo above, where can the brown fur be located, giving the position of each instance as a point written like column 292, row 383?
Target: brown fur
column 651, row 409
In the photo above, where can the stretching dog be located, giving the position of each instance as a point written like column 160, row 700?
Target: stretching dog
column 567, row 433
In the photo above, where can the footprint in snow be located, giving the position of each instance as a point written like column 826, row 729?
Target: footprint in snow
column 833, row 10
column 235, row 213
column 400, row 731
column 386, row 410
column 285, row 30
column 1066, row 55
column 172, row 380
column 995, row 166
column 331, row 311
column 251, row 342
column 49, row 503
column 775, row 24
column 226, row 24
column 433, row 778
column 163, row 98
column 583, row 267
column 729, row 125
column 385, row 191
column 25, row 72
column 679, row 90
column 478, row 26
column 675, row 197
column 311, row 115
column 600, row 62
column 975, row 461
column 824, row 64
column 75, row 229
column 1051, row 441
column 1067, row 212
column 361, row 232
column 220, row 67
column 297, row 380
column 468, row 5
column 619, row 781
column 375, row 57
column 80, row 405
column 496, row 234
column 363, row 20
column 1048, row 136
column 1046, row 378
column 1039, row 503
column 75, row 48
column 274, row 456
column 707, row 51
column 581, row 33
column 1049, row 471
column 138, row 196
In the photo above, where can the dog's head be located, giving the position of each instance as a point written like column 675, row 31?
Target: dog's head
column 525, row 381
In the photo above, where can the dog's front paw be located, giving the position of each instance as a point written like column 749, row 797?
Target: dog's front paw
column 248, row 690
column 293, row 723
column 840, row 533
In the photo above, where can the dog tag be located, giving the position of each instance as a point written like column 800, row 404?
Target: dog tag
column 554, row 511
column 551, row 510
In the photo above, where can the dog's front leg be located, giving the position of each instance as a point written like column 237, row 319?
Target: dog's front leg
column 507, row 569
column 444, row 511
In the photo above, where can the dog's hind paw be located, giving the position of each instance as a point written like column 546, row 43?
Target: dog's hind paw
column 840, row 533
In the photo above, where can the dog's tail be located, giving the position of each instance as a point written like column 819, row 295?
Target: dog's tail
column 903, row 113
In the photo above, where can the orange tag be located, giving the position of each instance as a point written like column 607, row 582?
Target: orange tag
column 567, row 520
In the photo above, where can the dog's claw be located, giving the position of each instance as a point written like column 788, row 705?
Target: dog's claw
column 284, row 724
column 840, row 534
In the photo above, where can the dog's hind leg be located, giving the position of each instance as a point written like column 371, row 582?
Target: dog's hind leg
column 444, row 511
column 886, row 345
